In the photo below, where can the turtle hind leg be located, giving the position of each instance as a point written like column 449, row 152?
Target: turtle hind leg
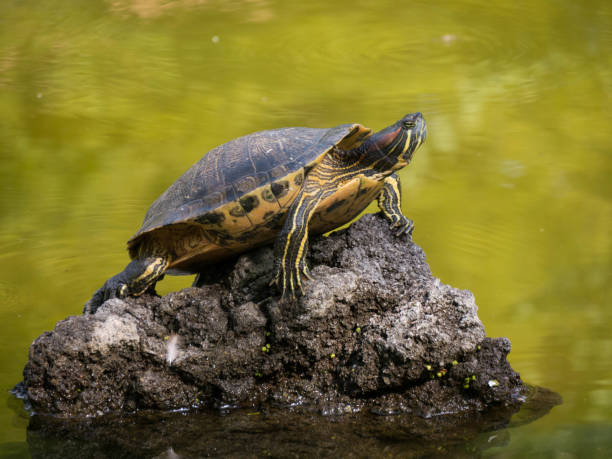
column 213, row 273
column 138, row 277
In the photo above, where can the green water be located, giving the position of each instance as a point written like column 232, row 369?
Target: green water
column 104, row 103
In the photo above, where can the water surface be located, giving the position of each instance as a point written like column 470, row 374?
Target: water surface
column 105, row 103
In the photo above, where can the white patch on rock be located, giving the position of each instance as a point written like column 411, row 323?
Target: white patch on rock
column 113, row 331
column 172, row 349
column 325, row 291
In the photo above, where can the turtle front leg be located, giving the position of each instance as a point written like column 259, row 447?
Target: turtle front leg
column 292, row 243
column 389, row 201
column 137, row 277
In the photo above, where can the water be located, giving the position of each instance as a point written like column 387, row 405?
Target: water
column 104, row 103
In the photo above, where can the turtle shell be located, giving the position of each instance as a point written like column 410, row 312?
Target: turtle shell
column 237, row 195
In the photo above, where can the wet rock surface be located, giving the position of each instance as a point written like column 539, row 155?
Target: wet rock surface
column 374, row 332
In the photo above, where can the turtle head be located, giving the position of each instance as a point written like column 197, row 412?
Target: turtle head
column 414, row 134
column 401, row 139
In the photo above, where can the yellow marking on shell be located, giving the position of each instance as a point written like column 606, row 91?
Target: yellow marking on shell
column 351, row 141
column 203, row 247
column 256, row 216
column 236, row 224
column 292, row 191
column 207, row 251
column 355, row 137
column 233, row 223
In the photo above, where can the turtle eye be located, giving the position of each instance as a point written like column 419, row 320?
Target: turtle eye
column 409, row 124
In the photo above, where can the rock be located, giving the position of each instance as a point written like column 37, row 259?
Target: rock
column 374, row 331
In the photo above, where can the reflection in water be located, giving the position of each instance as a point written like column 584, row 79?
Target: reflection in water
column 105, row 103
column 251, row 10
column 281, row 433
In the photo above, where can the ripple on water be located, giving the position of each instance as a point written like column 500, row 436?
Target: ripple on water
column 483, row 239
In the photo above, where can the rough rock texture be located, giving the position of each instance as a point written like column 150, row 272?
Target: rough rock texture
column 375, row 331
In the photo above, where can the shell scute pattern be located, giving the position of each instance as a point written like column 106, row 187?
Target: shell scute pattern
column 239, row 192
column 211, row 218
column 267, row 194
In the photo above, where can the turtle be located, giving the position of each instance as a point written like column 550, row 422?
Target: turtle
column 275, row 185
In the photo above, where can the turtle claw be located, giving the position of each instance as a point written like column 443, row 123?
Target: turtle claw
column 404, row 230
column 291, row 294
column 112, row 288
column 306, row 273
column 290, row 282
column 94, row 303
column 405, row 225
